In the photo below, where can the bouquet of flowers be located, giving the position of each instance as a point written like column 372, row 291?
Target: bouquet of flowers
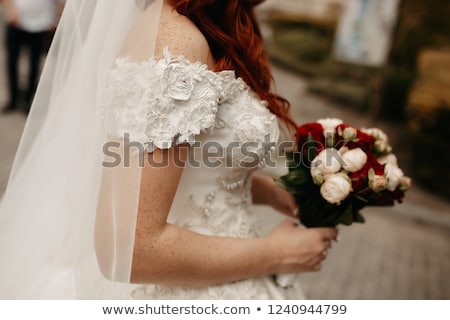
column 338, row 170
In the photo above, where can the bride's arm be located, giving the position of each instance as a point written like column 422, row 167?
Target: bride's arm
column 266, row 192
column 170, row 255
column 167, row 254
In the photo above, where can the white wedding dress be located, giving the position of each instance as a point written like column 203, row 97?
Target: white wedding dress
column 163, row 102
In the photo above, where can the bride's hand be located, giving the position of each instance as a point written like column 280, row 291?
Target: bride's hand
column 295, row 249
column 266, row 191
column 283, row 201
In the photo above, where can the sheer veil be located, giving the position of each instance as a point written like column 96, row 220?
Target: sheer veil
column 66, row 222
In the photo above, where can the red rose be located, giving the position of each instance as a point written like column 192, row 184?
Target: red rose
column 310, row 131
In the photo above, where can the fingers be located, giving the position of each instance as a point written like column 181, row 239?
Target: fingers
column 291, row 209
column 329, row 233
column 287, row 204
column 328, row 244
column 322, row 252
column 308, row 247
column 316, row 264
column 326, row 247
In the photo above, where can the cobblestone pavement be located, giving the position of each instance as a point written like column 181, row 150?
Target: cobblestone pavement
column 399, row 253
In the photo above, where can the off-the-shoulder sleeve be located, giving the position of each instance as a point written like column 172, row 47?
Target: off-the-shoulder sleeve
column 160, row 103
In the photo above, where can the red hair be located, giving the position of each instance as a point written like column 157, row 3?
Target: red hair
column 235, row 40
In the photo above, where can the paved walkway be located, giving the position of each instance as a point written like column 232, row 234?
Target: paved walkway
column 399, row 253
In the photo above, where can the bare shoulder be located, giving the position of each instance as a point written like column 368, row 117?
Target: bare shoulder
column 182, row 37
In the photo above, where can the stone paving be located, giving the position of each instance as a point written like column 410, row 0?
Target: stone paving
column 399, row 253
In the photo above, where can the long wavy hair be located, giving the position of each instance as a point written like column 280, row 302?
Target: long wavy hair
column 236, row 43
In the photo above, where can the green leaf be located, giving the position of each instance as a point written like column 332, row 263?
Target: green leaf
column 361, row 198
column 298, row 177
column 358, row 217
column 330, row 140
column 347, row 217
column 311, row 150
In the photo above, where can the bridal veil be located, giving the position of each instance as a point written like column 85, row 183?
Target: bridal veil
column 63, row 207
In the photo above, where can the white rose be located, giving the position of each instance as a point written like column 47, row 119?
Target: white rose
column 178, row 83
column 336, row 188
column 328, row 161
column 389, row 158
column 394, row 175
column 329, row 126
column 354, row 160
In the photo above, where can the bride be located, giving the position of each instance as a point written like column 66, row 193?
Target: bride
column 140, row 161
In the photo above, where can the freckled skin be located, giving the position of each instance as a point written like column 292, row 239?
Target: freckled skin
column 170, row 255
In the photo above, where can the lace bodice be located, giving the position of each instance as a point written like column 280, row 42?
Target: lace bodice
column 231, row 132
column 170, row 101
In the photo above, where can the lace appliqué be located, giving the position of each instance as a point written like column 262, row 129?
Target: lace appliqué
column 254, row 128
column 254, row 131
column 224, row 211
column 160, row 103
column 240, row 290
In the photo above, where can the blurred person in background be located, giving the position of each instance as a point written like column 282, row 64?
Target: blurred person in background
column 31, row 23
